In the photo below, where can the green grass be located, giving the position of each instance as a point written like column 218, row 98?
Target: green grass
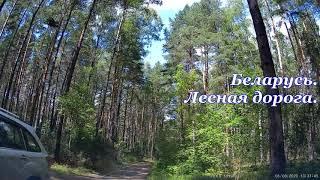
column 250, row 172
column 67, row 170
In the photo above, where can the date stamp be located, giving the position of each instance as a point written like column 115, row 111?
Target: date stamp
column 296, row 176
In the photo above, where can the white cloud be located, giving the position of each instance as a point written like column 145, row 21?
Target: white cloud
column 173, row 5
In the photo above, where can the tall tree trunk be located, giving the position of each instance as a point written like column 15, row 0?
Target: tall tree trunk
column 125, row 117
column 119, row 98
column 278, row 159
column 260, row 137
column 275, row 38
column 69, row 76
column 77, row 50
column 13, row 72
column 94, row 60
column 44, row 78
column 22, row 68
column 292, row 44
column 2, row 4
column 7, row 19
column 301, row 53
column 34, row 103
column 8, row 49
column 154, row 128
column 205, row 70
column 114, row 52
column 54, row 113
column 311, row 134
column 113, row 104
column 182, row 124
column 59, row 45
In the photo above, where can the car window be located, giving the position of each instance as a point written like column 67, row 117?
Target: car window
column 31, row 143
column 11, row 136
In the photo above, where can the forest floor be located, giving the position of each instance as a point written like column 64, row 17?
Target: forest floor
column 133, row 171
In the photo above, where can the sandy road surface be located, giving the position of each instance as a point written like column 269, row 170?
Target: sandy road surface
column 134, row 171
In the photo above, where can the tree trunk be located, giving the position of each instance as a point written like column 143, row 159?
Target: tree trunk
column 278, row 160
column 5, row 58
column 69, row 76
column 77, row 50
column 112, row 109
column 116, row 42
column 302, row 57
column 125, row 117
column 205, row 70
column 2, row 4
column 182, row 125
column 6, row 21
column 58, row 140
column 54, row 113
column 13, row 72
column 276, row 39
column 311, row 135
column 22, row 68
column 59, row 45
column 292, row 44
column 44, row 78
column 260, row 138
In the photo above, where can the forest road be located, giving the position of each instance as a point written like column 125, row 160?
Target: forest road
column 137, row 171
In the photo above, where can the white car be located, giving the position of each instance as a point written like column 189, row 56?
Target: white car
column 22, row 156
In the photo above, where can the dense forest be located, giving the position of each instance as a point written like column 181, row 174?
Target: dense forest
column 75, row 71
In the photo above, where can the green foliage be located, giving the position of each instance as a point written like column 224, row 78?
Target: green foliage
column 78, row 107
column 198, row 140
column 67, row 170
column 119, row 109
column 185, row 81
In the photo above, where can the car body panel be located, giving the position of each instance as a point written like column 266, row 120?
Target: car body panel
column 22, row 164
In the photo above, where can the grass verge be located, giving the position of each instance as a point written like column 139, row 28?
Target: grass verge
column 67, row 170
column 294, row 170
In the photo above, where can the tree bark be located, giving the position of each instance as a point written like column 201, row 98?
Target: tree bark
column 69, row 76
column 7, row 19
column 114, row 52
column 44, row 79
column 77, row 50
column 13, row 72
column 206, row 70
column 54, row 113
column 5, row 58
column 292, row 44
column 21, row 71
column 2, row 4
column 302, row 57
column 59, row 44
column 275, row 38
column 278, row 160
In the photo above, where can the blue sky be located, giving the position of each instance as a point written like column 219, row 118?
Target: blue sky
column 168, row 10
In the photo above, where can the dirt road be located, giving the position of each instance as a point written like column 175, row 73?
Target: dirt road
column 134, row 171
